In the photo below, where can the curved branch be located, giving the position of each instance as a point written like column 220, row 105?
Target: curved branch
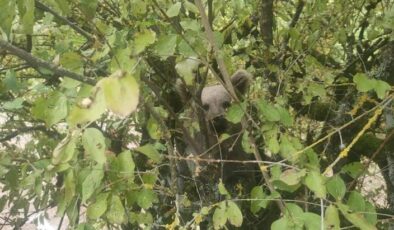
column 38, row 63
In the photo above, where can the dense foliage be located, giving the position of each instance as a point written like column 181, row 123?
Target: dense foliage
column 93, row 122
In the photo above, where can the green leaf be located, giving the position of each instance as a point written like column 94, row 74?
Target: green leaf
column 316, row 182
column 294, row 216
column 126, row 164
column 273, row 144
column 287, row 149
column 312, row 221
column 72, row 61
column 64, row 6
column 166, row 45
column 258, row 199
column 292, row 176
column 153, row 128
column 315, row 89
column 357, row 219
column 354, row 169
column 331, row 218
column 246, row 145
column 146, row 198
column 85, row 226
column 150, row 151
column 99, row 207
column 356, row 202
column 381, row 88
column 187, row 68
column 173, row 11
column 141, row 218
column 15, row 104
column 285, row 117
column 88, row 110
column 69, row 186
column 94, row 143
column 7, row 15
column 281, row 224
column 363, row 83
column 220, row 216
column 336, row 187
column 51, row 109
column 92, row 182
column 370, row 213
column 191, row 7
column 121, row 93
column 235, row 112
column 88, row 8
column 268, row 110
column 116, row 212
column 64, row 151
column 11, row 82
column 222, row 189
column 143, row 39
column 26, row 10
column 234, row 214
column 139, row 7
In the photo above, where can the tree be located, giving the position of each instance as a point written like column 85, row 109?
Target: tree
column 92, row 116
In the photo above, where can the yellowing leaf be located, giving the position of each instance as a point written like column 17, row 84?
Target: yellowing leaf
column 94, row 143
column 219, row 216
column 331, row 218
column 234, row 214
column 64, row 151
column 90, row 109
column 121, row 93
column 381, row 88
column 98, row 208
column 143, row 40
column 186, row 69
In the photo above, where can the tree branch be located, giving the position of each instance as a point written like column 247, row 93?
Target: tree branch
column 218, row 55
column 267, row 22
column 38, row 63
column 294, row 20
column 13, row 134
column 79, row 30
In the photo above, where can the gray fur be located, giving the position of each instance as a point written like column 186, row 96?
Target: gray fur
column 215, row 98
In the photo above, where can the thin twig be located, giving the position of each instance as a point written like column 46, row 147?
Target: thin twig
column 79, row 30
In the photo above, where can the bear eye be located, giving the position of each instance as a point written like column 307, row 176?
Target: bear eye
column 226, row 104
column 205, row 107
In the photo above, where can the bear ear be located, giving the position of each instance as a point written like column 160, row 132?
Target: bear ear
column 241, row 80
